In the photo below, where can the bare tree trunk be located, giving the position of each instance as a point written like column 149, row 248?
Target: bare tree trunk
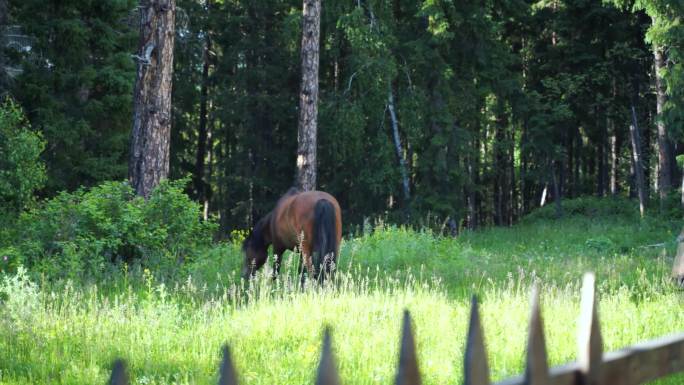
column 150, row 137
column 500, row 165
column 4, row 16
column 602, row 156
column 578, row 163
column 613, row 149
column 397, row 145
column 557, row 190
column 682, row 190
column 308, row 97
column 664, row 145
column 638, row 164
column 202, row 130
column 512, row 197
column 208, row 175
column 470, row 196
column 523, row 170
column 570, row 150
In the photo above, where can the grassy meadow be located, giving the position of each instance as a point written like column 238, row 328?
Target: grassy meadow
column 170, row 330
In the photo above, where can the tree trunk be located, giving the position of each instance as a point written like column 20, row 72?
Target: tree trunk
column 638, row 164
column 513, row 196
column 570, row 150
column 208, row 174
column 3, row 13
column 557, row 190
column 150, row 137
column 3, row 42
column 308, row 97
column 523, row 170
column 682, row 190
column 664, row 146
column 397, row 144
column 499, row 165
column 202, row 130
column 601, row 186
column 580, row 163
column 470, row 194
column 612, row 142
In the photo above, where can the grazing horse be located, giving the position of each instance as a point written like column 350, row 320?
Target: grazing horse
column 310, row 220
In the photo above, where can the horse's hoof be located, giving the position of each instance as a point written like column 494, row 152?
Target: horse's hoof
column 680, row 281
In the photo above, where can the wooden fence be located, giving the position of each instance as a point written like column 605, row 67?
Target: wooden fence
column 636, row 364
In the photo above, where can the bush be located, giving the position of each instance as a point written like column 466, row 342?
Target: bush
column 86, row 231
column 21, row 170
column 589, row 207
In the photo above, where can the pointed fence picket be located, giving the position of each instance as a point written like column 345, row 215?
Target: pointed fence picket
column 633, row 365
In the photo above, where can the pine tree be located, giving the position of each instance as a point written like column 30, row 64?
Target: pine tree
column 76, row 86
column 151, row 134
column 308, row 99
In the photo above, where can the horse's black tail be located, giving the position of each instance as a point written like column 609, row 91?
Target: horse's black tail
column 324, row 248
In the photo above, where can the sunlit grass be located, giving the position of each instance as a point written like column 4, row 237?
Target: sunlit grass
column 171, row 332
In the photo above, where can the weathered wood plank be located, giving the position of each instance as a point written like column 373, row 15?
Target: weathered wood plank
column 227, row 374
column 634, row 365
column 537, row 369
column 327, row 368
column 589, row 341
column 678, row 265
column 476, row 370
column 119, row 374
column 567, row 374
column 407, row 372
column 645, row 362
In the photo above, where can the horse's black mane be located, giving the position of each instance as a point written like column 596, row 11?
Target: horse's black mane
column 255, row 239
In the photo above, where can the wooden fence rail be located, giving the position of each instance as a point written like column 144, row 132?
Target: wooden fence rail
column 634, row 365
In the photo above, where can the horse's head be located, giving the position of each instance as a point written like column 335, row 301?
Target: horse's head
column 255, row 247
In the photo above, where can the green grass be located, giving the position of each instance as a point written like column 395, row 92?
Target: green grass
column 171, row 332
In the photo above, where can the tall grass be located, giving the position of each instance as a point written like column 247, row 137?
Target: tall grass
column 170, row 332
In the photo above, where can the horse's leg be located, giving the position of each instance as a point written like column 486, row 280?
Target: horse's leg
column 257, row 263
column 278, row 252
column 306, row 260
column 301, row 270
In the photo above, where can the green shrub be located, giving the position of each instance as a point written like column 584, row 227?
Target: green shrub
column 600, row 244
column 590, row 207
column 21, row 170
column 84, row 232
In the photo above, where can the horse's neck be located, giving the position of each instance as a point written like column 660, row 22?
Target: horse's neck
column 292, row 191
column 265, row 228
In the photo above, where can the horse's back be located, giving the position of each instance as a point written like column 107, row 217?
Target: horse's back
column 295, row 213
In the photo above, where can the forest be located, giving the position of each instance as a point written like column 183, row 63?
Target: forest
column 499, row 106
column 479, row 151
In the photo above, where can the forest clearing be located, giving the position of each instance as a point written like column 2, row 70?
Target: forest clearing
column 172, row 331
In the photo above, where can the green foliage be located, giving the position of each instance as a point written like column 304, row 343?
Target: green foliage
column 21, row 170
column 81, row 234
column 494, row 100
column 591, row 207
column 666, row 32
column 600, row 244
column 77, row 85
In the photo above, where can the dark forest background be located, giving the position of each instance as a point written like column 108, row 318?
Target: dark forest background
column 501, row 106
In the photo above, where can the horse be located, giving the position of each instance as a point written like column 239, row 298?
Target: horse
column 310, row 220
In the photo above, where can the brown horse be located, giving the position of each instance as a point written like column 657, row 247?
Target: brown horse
column 310, row 220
